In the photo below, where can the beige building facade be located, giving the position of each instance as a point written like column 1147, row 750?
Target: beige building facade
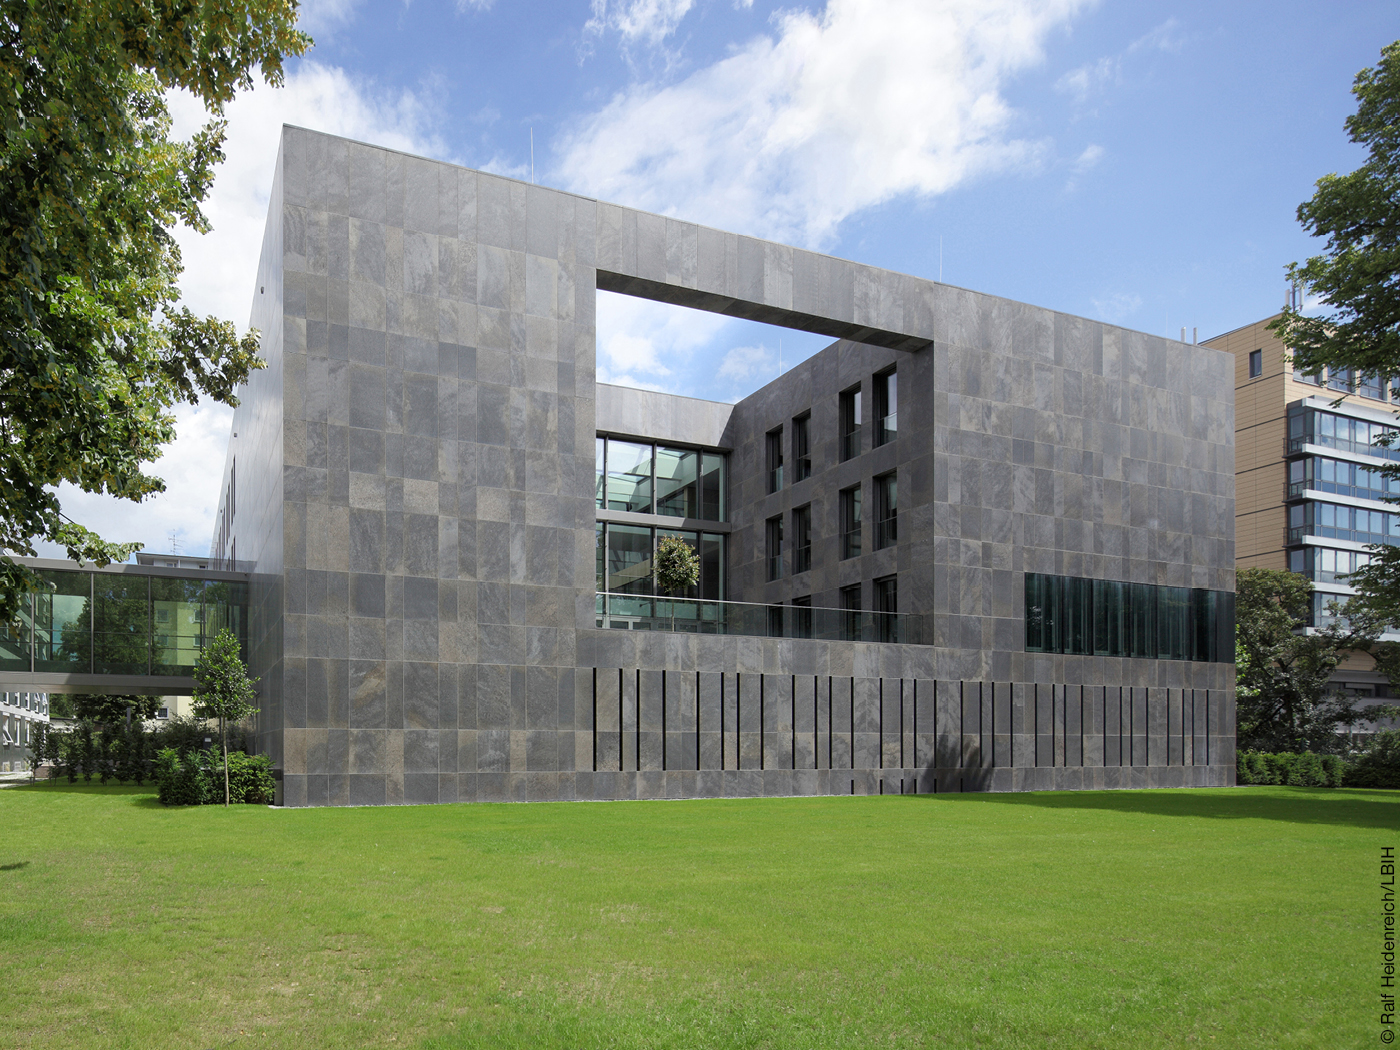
column 1309, row 495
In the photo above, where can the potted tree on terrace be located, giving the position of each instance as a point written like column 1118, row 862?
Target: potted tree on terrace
column 222, row 688
column 676, row 568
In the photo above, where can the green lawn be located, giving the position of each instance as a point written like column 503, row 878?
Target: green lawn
column 1225, row 918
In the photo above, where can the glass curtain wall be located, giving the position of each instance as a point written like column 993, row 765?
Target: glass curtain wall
column 1076, row 616
column 122, row 624
column 686, row 482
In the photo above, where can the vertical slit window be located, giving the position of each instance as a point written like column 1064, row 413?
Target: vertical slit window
column 802, row 448
column 886, row 510
column 887, row 608
column 850, row 613
column 850, row 423
column 775, row 548
column 850, row 522
column 802, row 539
column 775, row 459
column 886, row 407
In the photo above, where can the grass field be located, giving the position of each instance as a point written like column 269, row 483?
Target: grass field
column 1225, row 918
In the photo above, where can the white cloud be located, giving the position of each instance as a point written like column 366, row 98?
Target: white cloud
column 833, row 113
column 641, row 337
column 475, row 5
column 1090, row 79
column 637, row 21
column 1091, row 156
column 220, row 269
column 325, row 16
column 1117, row 308
column 744, row 363
column 1095, row 78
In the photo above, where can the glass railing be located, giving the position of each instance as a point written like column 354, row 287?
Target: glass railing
column 687, row 615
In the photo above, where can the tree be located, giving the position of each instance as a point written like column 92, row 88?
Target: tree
column 1358, row 278
column 222, row 688
column 94, row 349
column 676, row 565
column 1281, row 674
column 116, row 709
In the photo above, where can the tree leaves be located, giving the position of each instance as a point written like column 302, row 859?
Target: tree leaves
column 94, row 350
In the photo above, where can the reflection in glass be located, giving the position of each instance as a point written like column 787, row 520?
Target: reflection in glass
column 121, row 638
column 689, row 537
column 712, row 566
column 712, row 488
column 600, row 496
column 177, row 624
column 15, row 638
column 629, row 559
column 63, row 623
column 677, row 473
column 629, row 477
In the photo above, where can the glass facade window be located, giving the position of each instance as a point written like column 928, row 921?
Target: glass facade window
column 802, row 448
column 774, row 444
column 1342, row 523
column 850, row 522
column 802, row 539
column 1343, row 379
column 624, row 563
column 1324, row 565
column 1311, row 380
column 886, row 407
column 1256, row 364
column 600, row 473
column 1311, row 426
column 1073, row 615
column 1371, row 386
column 775, row 621
column 629, row 476
column 887, row 608
column 677, row 482
column 850, row 609
column 686, row 482
column 850, row 423
column 1340, row 477
column 713, row 471
column 886, row 510
column 774, row 532
column 121, row 623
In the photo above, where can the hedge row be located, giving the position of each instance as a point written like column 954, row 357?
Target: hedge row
column 197, row 778
column 1376, row 767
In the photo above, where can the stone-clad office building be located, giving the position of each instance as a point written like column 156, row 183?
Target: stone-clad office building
column 431, row 491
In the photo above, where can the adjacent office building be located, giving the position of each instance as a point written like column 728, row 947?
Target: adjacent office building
column 1310, row 489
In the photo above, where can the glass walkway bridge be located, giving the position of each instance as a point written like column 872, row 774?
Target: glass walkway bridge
column 124, row 629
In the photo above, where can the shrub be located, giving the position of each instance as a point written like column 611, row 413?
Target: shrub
column 197, row 779
column 1297, row 770
column 1379, row 765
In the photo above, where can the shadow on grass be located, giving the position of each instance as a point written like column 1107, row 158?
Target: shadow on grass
column 1353, row 807
column 83, row 787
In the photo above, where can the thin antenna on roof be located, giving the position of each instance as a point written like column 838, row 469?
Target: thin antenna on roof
column 532, row 156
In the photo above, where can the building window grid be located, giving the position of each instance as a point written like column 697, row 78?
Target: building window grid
column 1340, row 478
column 1310, row 426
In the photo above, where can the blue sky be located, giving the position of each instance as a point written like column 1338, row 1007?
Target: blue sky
column 1139, row 163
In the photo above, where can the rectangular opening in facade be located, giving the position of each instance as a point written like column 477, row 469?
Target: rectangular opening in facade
column 850, row 423
column 850, row 522
column 886, row 407
column 886, row 510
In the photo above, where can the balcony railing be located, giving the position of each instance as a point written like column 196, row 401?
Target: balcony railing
column 629, row 613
